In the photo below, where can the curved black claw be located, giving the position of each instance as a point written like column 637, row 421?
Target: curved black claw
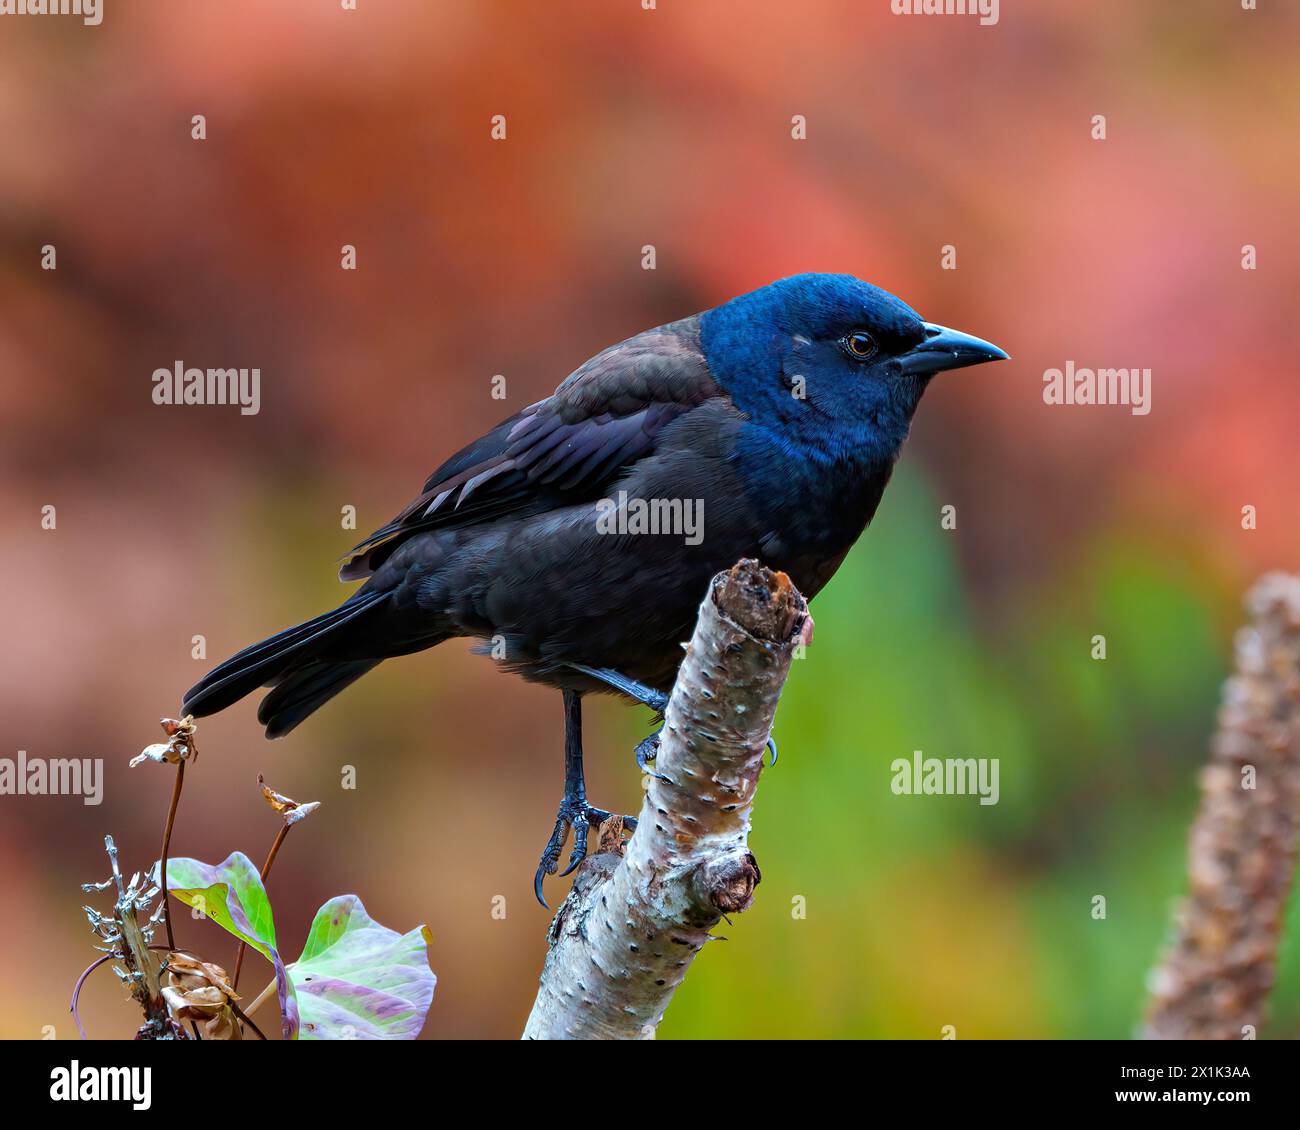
column 581, row 829
column 646, row 751
column 771, row 744
column 580, row 816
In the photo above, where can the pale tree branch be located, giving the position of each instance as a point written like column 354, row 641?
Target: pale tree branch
column 625, row 937
column 1216, row 977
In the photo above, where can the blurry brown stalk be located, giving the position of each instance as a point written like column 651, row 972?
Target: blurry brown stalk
column 1216, row 977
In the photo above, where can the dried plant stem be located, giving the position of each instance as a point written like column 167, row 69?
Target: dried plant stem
column 243, row 1017
column 266, row 870
column 166, row 846
column 76, row 990
column 265, row 995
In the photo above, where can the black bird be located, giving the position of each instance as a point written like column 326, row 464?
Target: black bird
column 773, row 421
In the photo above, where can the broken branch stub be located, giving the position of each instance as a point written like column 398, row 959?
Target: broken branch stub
column 625, row 937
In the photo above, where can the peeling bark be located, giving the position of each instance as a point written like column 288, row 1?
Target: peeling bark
column 625, row 937
column 1215, row 980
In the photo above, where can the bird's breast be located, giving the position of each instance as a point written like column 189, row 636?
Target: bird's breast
column 813, row 507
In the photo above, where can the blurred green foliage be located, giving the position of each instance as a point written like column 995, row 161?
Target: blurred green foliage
column 923, row 912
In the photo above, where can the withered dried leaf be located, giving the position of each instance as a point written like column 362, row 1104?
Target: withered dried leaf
column 160, row 752
column 290, row 809
column 301, row 812
column 178, row 747
column 186, row 970
column 200, row 991
column 191, row 1003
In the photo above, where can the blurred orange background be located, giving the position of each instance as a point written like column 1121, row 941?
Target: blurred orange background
column 630, row 127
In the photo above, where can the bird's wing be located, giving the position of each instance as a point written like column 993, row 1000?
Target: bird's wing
column 565, row 449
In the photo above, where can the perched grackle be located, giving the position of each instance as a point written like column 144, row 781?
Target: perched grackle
column 775, row 419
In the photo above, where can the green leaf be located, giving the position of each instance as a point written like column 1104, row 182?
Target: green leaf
column 359, row 980
column 232, row 895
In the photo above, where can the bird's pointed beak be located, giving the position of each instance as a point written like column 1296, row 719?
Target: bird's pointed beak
column 948, row 349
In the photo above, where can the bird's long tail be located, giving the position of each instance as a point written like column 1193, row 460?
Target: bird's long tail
column 307, row 665
column 303, row 690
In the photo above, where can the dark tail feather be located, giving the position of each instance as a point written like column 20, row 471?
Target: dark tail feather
column 304, row 690
column 266, row 662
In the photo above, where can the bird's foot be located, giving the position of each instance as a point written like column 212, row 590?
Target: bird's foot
column 580, row 816
column 648, row 749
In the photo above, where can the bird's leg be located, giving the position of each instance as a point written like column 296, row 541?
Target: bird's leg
column 574, row 810
column 648, row 748
column 657, row 701
column 646, row 696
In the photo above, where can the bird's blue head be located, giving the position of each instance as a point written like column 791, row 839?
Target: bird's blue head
column 831, row 364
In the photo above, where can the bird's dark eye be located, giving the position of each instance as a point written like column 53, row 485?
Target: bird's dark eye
column 859, row 344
